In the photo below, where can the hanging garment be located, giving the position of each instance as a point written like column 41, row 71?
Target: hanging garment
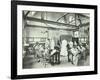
column 47, row 44
column 64, row 48
column 52, row 44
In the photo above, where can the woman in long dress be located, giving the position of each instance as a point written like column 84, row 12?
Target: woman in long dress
column 75, row 52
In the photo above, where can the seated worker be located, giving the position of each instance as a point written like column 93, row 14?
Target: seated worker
column 37, row 52
column 87, row 49
column 30, row 49
column 26, row 50
column 41, row 50
column 46, row 52
column 83, row 51
column 55, row 55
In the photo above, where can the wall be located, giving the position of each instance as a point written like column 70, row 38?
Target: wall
column 35, row 32
column 43, row 32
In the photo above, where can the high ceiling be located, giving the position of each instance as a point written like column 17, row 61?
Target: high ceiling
column 56, row 20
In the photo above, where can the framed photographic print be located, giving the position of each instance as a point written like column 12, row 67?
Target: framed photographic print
column 53, row 39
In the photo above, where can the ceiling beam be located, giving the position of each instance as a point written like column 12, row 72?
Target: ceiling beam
column 82, row 15
column 26, row 13
column 62, row 16
column 49, row 22
column 85, row 24
column 53, row 28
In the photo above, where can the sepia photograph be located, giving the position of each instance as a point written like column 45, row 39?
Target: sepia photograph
column 55, row 39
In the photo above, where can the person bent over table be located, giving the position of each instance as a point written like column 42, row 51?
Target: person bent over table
column 55, row 55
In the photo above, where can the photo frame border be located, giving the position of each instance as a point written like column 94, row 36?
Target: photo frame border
column 14, row 39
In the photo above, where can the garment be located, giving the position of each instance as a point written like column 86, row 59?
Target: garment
column 64, row 48
column 52, row 44
column 47, row 44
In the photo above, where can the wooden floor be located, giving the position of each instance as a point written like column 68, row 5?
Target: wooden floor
column 30, row 61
